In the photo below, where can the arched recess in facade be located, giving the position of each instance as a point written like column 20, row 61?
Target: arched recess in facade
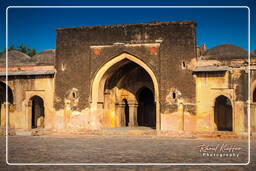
column 4, row 100
column 253, row 105
column 223, row 114
column 102, row 85
column 37, row 112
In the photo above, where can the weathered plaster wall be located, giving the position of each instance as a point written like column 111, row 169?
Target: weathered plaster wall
column 209, row 86
column 25, row 87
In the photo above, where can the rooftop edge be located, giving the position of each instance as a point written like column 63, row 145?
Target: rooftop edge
column 125, row 25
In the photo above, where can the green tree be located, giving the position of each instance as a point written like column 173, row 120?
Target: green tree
column 31, row 52
column 21, row 48
column 11, row 48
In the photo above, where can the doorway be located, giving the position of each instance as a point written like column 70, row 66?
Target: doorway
column 146, row 108
column 223, row 114
column 37, row 112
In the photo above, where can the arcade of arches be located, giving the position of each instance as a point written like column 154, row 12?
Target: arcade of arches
column 127, row 98
column 34, row 109
column 149, row 74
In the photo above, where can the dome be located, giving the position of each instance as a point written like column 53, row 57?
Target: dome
column 15, row 58
column 226, row 52
column 46, row 57
column 253, row 53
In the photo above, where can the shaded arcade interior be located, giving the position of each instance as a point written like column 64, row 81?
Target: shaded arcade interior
column 127, row 96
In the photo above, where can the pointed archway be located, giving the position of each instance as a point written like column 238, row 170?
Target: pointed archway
column 37, row 112
column 223, row 114
column 99, row 93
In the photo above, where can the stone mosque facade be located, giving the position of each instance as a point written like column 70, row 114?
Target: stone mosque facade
column 132, row 75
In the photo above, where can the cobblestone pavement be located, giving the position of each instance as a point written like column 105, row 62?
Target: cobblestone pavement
column 118, row 149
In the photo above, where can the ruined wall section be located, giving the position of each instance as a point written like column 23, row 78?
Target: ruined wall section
column 177, row 84
column 233, row 85
column 72, row 65
column 239, row 82
column 178, row 55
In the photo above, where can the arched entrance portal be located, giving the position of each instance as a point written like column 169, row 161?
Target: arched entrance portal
column 120, row 79
column 37, row 112
column 3, row 101
column 223, row 114
column 146, row 108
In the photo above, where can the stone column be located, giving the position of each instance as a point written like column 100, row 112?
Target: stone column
column 3, row 115
column 120, row 115
column 253, row 117
column 133, row 115
column 158, row 116
column 212, row 125
column 8, row 113
column 28, row 115
column 11, row 108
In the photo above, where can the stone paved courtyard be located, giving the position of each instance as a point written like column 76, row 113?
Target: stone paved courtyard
column 117, row 149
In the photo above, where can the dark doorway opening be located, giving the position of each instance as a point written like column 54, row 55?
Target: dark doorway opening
column 37, row 112
column 146, row 113
column 223, row 114
column 126, row 112
column 254, row 95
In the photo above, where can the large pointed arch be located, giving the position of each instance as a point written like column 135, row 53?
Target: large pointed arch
column 97, row 86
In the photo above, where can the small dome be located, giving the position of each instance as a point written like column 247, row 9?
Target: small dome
column 226, row 52
column 253, row 53
column 46, row 57
column 15, row 58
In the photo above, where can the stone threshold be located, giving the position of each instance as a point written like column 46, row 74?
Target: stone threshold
column 131, row 131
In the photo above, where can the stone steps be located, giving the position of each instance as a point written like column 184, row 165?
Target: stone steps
column 204, row 135
column 222, row 135
column 11, row 131
column 129, row 131
column 40, row 132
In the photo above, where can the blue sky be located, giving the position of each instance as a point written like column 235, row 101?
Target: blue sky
column 36, row 28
